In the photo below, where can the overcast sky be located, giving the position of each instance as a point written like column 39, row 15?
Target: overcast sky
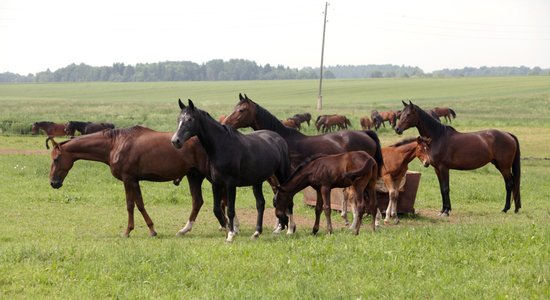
column 36, row 34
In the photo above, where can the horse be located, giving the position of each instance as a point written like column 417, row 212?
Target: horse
column 446, row 112
column 292, row 123
column 235, row 159
column 450, row 149
column 95, row 127
column 330, row 122
column 135, row 154
column 248, row 113
column 72, row 127
column 389, row 116
column 376, row 119
column 50, row 128
column 366, row 123
column 305, row 117
column 396, row 160
column 355, row 169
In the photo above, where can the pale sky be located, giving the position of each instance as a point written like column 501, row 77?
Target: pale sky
column 432, row 34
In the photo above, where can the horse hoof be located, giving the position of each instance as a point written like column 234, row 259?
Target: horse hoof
column 153, row 234
column 386, row 222
column 230, row 236
column 278, row 229
column 255, row 236
column 291, row 230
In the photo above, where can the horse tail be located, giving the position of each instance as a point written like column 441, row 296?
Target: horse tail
column 452, row 113
column 378, row 153
column 516, row 175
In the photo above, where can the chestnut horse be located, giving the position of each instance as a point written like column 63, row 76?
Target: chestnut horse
column 446, row 112
column 248, row 113
column 366, row 123
column 235, row 159
column 450, row 149
column 355, row 169
column 135, row 154
column 50, row 128
column 389, row 116
column 396, row 160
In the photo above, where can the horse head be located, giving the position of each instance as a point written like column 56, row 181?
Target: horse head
column 188, row 124
column 61, row 164
column 34, row 128
column 423, row 150
column 243, row 115
column 408, row 118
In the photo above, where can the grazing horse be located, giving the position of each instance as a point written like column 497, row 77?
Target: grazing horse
column 450, row 149
column 446, row 112
column 135, row 154
column 355, row 169
column 305, row 117
column 366, row 123
column 247, row 113
column 50, row 128
column 396, row 160
column 235, row 159
column 329, row 123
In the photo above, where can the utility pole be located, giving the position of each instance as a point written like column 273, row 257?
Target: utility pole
column 320, row 96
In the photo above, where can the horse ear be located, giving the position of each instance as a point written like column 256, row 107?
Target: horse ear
column 182, row 106
column 241, row 97
column 246, row 97
column 404, row 104
column 191, row 105
column 410, row 102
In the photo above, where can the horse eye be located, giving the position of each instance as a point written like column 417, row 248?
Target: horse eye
column 241, row 110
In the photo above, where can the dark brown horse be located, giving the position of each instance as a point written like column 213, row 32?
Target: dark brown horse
column 328, row 123
column 301, row 118
column 377, row 120
column 135, row 154
column 445, row 112
column 235, row 159
column 50, row 128
column 450, row 149
column 355, row 169
column 86, row 127
column 247, row 113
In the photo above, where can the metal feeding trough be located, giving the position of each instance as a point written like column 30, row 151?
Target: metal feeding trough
column 405, row 203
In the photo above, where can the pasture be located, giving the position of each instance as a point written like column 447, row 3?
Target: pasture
column 66, row 243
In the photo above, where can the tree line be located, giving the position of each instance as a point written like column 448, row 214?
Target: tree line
column 241, row 69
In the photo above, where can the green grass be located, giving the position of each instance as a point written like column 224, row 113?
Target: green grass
column 66, row 243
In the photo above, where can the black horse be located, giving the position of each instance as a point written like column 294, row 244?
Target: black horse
column 72, row 127
column 450, row 149
column 235, row 159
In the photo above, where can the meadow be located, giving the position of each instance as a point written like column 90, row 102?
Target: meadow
column 66, row 243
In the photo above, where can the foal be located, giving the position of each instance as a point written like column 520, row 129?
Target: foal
column 396, row 160
column 356, row 169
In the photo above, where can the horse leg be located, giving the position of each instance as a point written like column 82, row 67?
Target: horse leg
column 195, row 183
column 443, row 178
column 509, row 185
column 217, row 192
column 231, row 191
column 359, row 204
column 133, row 191
column 345, row 199
column 318, row 210
column 326, row 207
column 260, row 207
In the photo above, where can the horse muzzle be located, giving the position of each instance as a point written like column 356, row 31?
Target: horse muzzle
column 398, row 130
column 56, row 183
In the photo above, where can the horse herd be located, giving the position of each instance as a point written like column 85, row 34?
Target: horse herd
column 68, row 129
column 202, row 147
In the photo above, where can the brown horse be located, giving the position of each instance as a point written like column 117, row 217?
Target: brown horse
column 366, row 123
column 355, row 169
column 377, row 120
column 135, row 154
column 247, row 113
column 396, row 160
column 292, row 123
column 389, row 116
column 446, row 112
column 450, row 149
column 50, row 128
column 329, row 123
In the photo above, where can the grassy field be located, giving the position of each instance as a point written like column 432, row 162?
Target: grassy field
column 66, row 243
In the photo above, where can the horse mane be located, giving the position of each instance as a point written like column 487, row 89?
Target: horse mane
column 430, row 121
column 269, row 121
column 41, row 123
column 403, row 142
